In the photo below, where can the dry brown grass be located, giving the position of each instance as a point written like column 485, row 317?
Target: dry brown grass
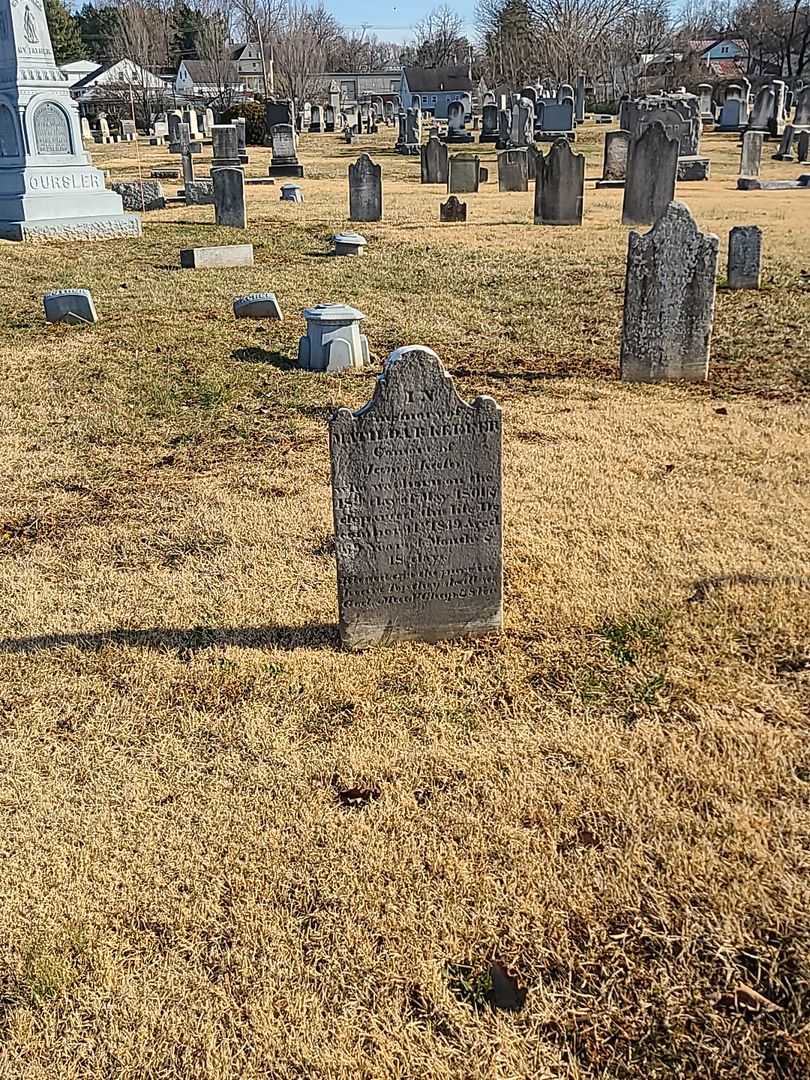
column 611, row 800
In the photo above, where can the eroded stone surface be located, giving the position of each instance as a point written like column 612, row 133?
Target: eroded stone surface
column 140, row 195
column 669, row 300
column 230, row 209
column 416, row 490
column 652, row 164
column 365, row 190
column 513, row 170
column 751, row 153
column 744, row 257
column 464, row 173
column 559, row 186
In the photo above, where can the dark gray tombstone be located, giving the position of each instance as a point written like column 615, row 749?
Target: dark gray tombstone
column 652, row 165
column 279, row 112
column 784, row 153
column 416, row 494
column 463, row 173
column 241, row 139
column 225, row 145
column 434, row 162
column 453, row 210
column 285, row 152
column 489, row 124
column 513, row 170
column 579, row 98
column 669, row 300
column 70, row 306
column 744, row 257
column 229, row 197
column 365, row 190
column 803, row 147
column 559, row 186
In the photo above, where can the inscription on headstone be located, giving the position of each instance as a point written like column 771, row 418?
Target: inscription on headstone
column 51, row 130
column 416, row 493
column 744, row 257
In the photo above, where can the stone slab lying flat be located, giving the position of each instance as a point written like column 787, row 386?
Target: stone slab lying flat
column 215, row 258
column 753, row 183
column 257, row 306
column 259, row 180
column 70, row 306
column 610, row 183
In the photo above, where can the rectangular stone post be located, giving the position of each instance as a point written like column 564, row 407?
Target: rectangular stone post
column 744, row 257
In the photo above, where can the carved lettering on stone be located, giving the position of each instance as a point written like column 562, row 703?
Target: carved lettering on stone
column 51, row 130
column 416, row 491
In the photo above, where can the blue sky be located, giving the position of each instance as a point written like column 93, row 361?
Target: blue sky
column 392, row 21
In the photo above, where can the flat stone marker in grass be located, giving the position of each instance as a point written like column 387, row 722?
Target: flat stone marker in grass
column 669, row 300
column 70, row 306
column 453, row 210
column 217, row 258
column 416, row 495
column 365, row 190
column 263, row 305
column 744, row 257
column 230, row 209
column 652, row 165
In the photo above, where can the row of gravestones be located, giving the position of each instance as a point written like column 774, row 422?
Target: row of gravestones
column 646, row 165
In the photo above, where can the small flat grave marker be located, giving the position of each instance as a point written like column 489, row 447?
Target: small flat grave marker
column 216, row 258
column 257, row 306
column 70, row 306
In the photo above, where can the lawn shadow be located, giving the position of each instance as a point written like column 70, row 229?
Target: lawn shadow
column 169, row 639
column 262, row 356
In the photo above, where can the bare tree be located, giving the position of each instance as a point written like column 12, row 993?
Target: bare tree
column 143, row 35
column 439, row 39
column 215, row 51
column 572, row 31
column 300, row 46
column 508, row 42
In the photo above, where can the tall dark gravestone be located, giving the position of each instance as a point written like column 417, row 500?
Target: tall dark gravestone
column 416, row 494
column 652, row 166
column 365, row 190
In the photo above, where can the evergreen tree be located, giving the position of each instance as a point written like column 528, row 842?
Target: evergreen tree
column 188, row 24
column 65, row 37
column 99, row 29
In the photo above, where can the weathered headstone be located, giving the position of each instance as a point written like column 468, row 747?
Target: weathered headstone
column 416, row 492
column 257, row 306
column 513, row 170
column 652, row 165
column 285, row 152
column 225, row 144
column 803, row 147
column 365, row 190
column 614, row 166
column 453, row 210
column 579, row 98
column 241, row 139
column 333, row 342
column 786, row 145
column 230, row 209
column 489, row 126
column 140, row 195
column 559, row 186
column 463, row 173
column 669, row 300
column 456, row 119
column 751, row 153
column 216, row 258
column 434, row 162
column 744, row 257
column 69, row 306
column 200, row 193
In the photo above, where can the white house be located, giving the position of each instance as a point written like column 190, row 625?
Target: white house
column 200, row 79
column 120, row 73
column 77, row 70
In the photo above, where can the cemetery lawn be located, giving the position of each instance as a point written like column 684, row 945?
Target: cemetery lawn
column 232, row 849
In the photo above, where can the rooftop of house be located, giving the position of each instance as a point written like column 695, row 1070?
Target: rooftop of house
column 703, row 45
column 203, row 72
column 429, row 80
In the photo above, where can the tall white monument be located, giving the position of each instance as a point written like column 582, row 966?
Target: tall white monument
column 48, row 188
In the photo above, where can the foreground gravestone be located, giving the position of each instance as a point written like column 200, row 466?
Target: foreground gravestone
column 416, row 495
column 463, row 173
column 48, row 187
column 215, row 258
column 452, row 210
column 257, row 306
column 513, row 170
column 744, row 257
column 230, row 209
column 365, row 190
column 434, row 161
column 333, row 342
column 70, row 306
column 652, row 165
column 614, row 165
column 669, row 300
column 751, row 153
column 559, row 186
